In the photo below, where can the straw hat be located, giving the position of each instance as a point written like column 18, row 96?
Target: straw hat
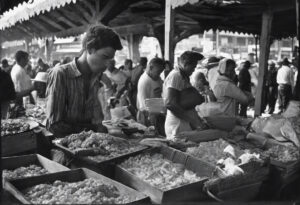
column 41, row 77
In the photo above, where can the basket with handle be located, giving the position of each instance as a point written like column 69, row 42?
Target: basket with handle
column 155, row 105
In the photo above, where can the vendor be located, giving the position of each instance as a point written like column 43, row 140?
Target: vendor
column 178, row 119
column 228, row 95
column 72, row 90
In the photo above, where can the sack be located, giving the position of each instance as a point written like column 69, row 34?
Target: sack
column 273, row 128
column 293, row 109
column 288, row 132
column 190, row 98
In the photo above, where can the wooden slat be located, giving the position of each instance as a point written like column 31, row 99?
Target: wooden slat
column 51, row 22
column 39, row 25
column 108, row 7
column 296, row 93
column 88, row 4
column 83, row 12
column 74, row 16
column 263, row 59
column 63, row 18
column 97, row 7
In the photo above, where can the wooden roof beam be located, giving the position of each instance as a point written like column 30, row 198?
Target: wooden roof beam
column 23, row 29
column 83, row 12
column 88, row 4
column 74, row 16
column 39, row 25
column 63, row 18
column 51, row 22
column 110, row 4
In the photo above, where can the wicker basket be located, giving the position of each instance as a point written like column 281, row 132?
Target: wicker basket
column 240, row 187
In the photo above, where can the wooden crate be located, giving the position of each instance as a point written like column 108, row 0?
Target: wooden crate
column 187, row 193
column 18, row 143
column 16, row 186
column 93, row 162
column 12, row 163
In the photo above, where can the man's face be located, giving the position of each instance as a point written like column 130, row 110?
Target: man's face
column 189, row 68
column 156, row 71
column 24, row 62
column 98, row 59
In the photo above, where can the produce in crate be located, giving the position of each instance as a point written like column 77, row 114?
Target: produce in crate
column 37, row 113
column 21, row 172
column 13, row 126
column 283, row 153
column 88, row 191
column 98, row 146
column 159, row 172
column 211, row 151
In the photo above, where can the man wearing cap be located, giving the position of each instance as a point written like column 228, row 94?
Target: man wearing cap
column 285, row 80
column 212, row 74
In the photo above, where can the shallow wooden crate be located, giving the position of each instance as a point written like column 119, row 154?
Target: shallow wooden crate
column 18, row 143
column 93, row 162
column 15, row 187
column 186, row 193
column 15, row 162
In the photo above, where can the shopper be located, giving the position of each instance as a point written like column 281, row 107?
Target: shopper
column 178, row 118
column 285, row 80
column 73, row 104
column 272, row 87
column 244, row 79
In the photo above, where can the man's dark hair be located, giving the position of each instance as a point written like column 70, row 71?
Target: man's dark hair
column 189, row 57
column 286, row 62
column 247, row 64
column 157, row 62
column 127, row 61
column 4, row 62
column 40, row 60
column 20, row 55
column 99, row 36
column 143, row 61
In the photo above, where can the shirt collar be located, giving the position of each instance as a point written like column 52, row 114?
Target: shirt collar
column 74, row 72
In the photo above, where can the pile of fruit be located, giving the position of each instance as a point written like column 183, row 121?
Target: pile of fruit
column 21, row 172
column 209, row 152
column 89, row 191
column 283, row 153
column 13, row 126
column 101, row 146
column 159, row 172
column 37, row 113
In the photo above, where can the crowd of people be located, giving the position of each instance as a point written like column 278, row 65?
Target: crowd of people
column 83, row 92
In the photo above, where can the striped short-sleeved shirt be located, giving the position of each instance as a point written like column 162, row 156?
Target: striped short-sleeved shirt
column 67, row 100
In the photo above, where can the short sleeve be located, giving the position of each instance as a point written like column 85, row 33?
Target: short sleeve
column 175, row 81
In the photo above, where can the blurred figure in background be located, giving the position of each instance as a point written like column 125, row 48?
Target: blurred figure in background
column 253, row 73
column 65, row 60
column 135, row 76
column 128, row 66
column 285, row 80
column 168, row 69
column 42, row 66
column 199, row 81
column 5, row 66
column 212, row 73
column 244, row 79
column 272, row 87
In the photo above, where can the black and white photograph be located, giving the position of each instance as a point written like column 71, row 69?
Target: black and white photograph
column 181, row 102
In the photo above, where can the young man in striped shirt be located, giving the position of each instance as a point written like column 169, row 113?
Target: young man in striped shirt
column 72, row 89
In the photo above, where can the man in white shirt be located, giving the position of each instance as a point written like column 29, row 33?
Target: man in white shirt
column 18, row 74
column 285, row 80
column 213, row 68
column 149, row 86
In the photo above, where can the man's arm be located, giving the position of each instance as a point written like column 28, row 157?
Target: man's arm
column 172, row 104
column 237, row 94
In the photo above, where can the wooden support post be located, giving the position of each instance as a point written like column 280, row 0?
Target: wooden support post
column 267, row 19
column 26, row 44
column 256, row 49
column 169, row 32
column 133, row 47
column 296, row 94
column 48, row 49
